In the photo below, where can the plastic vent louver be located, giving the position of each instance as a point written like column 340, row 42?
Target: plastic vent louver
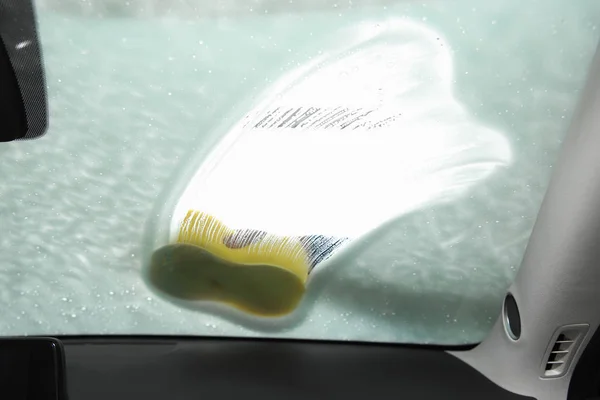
column 562, row 349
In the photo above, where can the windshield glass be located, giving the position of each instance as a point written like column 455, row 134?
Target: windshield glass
column 366, row 170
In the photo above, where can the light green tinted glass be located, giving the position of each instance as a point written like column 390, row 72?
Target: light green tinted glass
column 138, row 89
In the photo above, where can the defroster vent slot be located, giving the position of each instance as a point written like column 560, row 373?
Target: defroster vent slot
column 562, row 349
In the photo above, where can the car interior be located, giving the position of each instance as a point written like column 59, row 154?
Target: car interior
column 543, row 342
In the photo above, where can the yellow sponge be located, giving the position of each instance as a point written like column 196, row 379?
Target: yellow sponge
column 253, row 271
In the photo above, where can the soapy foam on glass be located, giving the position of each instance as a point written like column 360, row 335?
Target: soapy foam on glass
column 348, row 142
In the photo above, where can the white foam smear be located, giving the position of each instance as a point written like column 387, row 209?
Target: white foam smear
column 353, row 139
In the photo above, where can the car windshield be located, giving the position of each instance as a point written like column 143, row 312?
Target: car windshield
column 367, row 170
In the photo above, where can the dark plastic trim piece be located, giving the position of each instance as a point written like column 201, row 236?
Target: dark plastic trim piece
column 158, row 367
column 12, row 108
column 32, row 368
column 585, row 382
column 18, row 31
column 137, row 339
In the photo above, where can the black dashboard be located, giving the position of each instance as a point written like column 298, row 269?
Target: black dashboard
column 225, row 368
